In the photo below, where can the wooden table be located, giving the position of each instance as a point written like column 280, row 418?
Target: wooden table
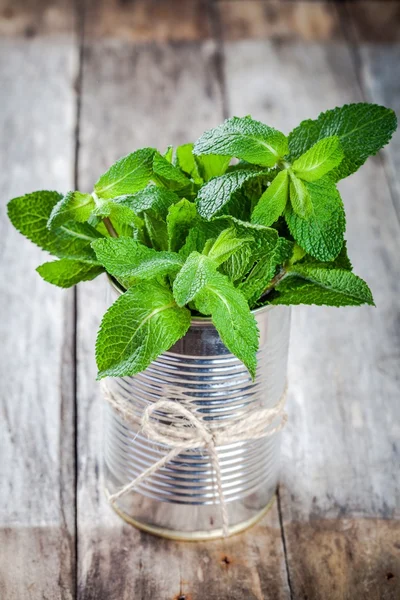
column 81, row 85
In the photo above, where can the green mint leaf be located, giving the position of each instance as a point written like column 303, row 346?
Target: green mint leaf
column 319, row 159
column 187, row 163
column 315, row 285
column 215, row 194
column 74, row 206
column 244, row 138
column 228, row 243
column 30, row 214
column 299, row 197
column 363, row 129
column 119, row 214
column 169, row 175
column 157, row 265
column 299, row 253
column 169, row 154
column 263, row 241
column 244, row 200
column 208, row 245
column 273, row 201
column 265, row 270
column 156, row 230
column 321, row 234
column 142, row 324
column 152, row 199
column 200, row 233
column 152, row 204
column 123, row 219
column 195, row 241
column 128, row 175
column 342, row 260
column 125, row 257
column 72, row 240
column 215, row 295
column 212, row 165
column 195, row 273
column 265, row 238
column 239, row 255
column 232, row 318
column 239, row 263
column 181, row 217
column 66, row 272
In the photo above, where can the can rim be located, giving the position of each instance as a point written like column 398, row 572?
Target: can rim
column 195, row 320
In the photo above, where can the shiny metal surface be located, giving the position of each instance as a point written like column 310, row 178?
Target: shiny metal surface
column 181, row 498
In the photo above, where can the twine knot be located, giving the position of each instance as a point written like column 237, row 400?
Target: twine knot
column 179, row 427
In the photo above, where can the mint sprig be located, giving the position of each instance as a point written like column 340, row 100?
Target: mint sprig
column 30, row 215
column 128, row 259
column 321, row 158
column 128, row 175
column 213, row 197
column 244, row 138
column 67, row 272
column 273, row 201
column 321, row 232
column 335, row 287
column 215, row 295
column 362, row 130
column 244, row 217
column 140, row 325
column 73, row 206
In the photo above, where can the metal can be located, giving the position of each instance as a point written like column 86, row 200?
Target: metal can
column 180, row 500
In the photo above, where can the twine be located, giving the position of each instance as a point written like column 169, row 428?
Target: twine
column 186, row 430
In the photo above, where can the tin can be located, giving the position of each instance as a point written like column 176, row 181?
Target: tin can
column 180, row 500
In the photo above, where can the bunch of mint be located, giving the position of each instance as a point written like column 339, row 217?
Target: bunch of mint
column 190, row 233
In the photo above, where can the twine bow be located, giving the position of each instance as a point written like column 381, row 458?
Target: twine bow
column 185, row 430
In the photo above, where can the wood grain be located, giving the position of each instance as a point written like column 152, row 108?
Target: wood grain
column 152, row 75
column 31, row 18
column 374, row 21
column 149, row 20
column 340, row 460
column 160, row 95
column 378, row 68
column 121, row 562
column 349, row 558
column 279, row 20
column 37, row 498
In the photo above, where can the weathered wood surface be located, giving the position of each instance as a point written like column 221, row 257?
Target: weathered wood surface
column 37, row 492
column 32, row 18
column 378, row 56
column 284, row 21
column 155, row 83
column 340, row 487
column 149, row 20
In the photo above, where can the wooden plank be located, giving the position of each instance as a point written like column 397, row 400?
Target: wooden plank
column 340, row 486
column 375, row 36
column 160, row 94
column 37, row 498
column 29, row 18
column 279, row 20
column 149, row 20
column 373, row 21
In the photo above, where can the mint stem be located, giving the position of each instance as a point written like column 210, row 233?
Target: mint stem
column 274, row 282
column 110, row 228
column 106, row 220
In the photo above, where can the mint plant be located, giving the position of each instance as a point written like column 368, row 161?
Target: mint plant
column 244, row 218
